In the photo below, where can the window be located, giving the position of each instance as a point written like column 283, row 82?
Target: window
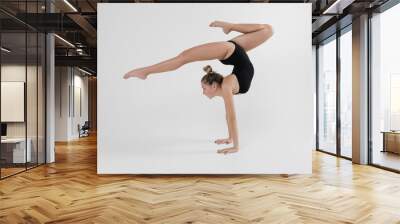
column 346, row 93
column 327, row 96
column 385, row 89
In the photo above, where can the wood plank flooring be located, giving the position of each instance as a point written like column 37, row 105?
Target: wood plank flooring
column 70, row 191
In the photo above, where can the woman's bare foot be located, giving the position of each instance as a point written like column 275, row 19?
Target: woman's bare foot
column 226, row 27
column 139, row 73
column 223, row 141
column 228, row 150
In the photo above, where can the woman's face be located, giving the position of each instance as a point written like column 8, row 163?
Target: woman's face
column 209, row 90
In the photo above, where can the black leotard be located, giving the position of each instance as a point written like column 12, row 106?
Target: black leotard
column 242, row 67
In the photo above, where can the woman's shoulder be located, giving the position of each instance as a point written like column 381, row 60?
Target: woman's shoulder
column 230, row 83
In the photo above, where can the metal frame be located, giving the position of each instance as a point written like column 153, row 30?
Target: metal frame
column 0, row 92
column 387, row 5
column 26, row 89
column 369, row 91
column 37, row 91
column 338, row 98
column 317, row 97
column 45, row 90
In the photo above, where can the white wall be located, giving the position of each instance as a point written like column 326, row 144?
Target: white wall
column 15, row 72
column 61, row 103
column 67, row 80
column 80, row 82
column 165, row 125
column 314, row 74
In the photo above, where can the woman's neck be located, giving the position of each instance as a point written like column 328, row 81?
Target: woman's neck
column 218, row 92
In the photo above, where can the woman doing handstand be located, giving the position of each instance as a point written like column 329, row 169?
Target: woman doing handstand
column 232, row 52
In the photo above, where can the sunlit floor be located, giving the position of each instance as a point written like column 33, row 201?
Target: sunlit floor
column 386, row 159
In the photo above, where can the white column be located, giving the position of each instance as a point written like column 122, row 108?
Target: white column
column 360, row 90
column 50, row 100
column 50, row 110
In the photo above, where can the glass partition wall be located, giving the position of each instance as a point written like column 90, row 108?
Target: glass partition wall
column 22, row 77
column 13, row 90
column 334, row 110
column 385, row 89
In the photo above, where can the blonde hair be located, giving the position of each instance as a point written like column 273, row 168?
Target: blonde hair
column 211, row 76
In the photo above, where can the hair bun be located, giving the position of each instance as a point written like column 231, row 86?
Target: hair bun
column 207, row 69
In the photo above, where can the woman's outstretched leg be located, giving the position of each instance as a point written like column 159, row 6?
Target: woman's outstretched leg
column 209, row 51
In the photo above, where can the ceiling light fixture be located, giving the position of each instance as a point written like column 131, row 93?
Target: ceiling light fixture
column 70, row 5
column 65, row 41
column 5, row 49
column 86, row 72
column 337, row 7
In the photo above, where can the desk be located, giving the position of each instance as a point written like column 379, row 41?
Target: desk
column 391, row 141
column 15, row 148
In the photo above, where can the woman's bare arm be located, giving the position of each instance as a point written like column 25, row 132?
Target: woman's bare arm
column 230, row 118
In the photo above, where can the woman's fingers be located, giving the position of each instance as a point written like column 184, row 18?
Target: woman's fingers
column 228, row 150
column 219, row 141
column 223, row 141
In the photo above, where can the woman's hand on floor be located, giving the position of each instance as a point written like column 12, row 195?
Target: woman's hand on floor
column 228, row 150
column 223, row 141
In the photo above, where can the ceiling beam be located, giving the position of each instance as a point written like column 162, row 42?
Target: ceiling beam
column 83, row 61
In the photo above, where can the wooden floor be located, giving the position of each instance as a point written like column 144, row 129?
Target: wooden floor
column 5, row 172
column 387, row 159
column 70, row 191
